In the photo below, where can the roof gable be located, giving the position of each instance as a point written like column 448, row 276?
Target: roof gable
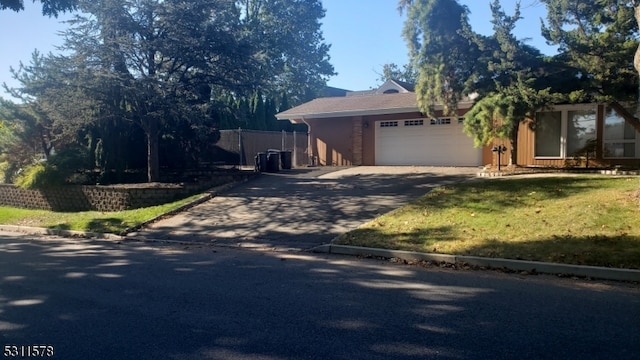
column 394, row 86
column 353, row 106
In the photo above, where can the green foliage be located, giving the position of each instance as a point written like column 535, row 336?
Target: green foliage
column 288, row 42
column 49, row 7
column 258, row 112
column 509, row 83
column 36, row 176
column 597, row 41
column 392, row 71
column 444, row 58
column 497, row 115
column 25, row 135
column 61, row 168
column 7, row 172
column 149, row 83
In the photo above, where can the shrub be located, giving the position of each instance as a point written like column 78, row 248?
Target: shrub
column 34, row 176
column 61, row 168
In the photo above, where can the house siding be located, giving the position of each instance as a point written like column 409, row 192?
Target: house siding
column 332, row 141
column 357, row 140
column 526, row 149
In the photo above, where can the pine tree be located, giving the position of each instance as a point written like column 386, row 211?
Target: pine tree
column 258, row 112
column 598, row 40
column 444, row 59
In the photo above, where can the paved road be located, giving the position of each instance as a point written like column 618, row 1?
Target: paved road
column 103, row 300
column 303, row 208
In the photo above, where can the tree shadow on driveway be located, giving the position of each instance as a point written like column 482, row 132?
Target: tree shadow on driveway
column 295, row 210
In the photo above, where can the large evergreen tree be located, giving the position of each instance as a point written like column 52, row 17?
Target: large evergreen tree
column 49, row 7
column 290, row 48
column 444, row 58
column 510, row 85
column 169, row 70
column 598, row 41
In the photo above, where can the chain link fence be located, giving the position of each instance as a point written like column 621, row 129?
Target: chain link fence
column 239, row 147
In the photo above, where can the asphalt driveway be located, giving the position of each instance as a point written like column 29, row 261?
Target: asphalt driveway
column 301, row 208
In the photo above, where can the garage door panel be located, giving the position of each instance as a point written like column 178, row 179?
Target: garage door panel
column 441, row 145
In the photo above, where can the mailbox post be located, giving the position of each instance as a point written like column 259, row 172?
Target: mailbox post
column 500, row 149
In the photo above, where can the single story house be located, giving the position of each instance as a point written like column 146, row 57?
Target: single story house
column 384, row 126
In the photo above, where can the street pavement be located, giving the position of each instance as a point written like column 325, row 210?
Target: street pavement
column 107, row 300
column 301, row 208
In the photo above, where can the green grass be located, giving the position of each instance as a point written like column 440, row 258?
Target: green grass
column 584, row 220
column 90, row 221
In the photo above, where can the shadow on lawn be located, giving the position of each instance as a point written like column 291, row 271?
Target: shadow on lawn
column 109, row 225
column 594, row 250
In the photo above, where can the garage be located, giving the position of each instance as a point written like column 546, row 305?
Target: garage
column 437, row 142
column 385, row 127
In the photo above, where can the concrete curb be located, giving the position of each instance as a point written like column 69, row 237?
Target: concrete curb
column 595, row 272
column 58, row 232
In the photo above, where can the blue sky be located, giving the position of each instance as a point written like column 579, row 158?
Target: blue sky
column 364, row 35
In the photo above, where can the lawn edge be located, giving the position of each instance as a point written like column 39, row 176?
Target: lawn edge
column 595, row 272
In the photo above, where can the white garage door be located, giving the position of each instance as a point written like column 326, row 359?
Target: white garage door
column 438, row 142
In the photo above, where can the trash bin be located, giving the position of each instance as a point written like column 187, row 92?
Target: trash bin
column 261, row 162
column 286, row 157
column 273, row 161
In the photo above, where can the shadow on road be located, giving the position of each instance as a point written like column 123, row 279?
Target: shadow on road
column 101, row 300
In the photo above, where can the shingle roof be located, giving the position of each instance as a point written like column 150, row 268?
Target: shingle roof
column 375, row 104
column 353, row 106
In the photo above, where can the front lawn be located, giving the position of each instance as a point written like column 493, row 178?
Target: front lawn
column 90, row 221
column 586, row 220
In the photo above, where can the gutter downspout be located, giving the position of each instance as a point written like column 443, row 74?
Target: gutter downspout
column 309, row 149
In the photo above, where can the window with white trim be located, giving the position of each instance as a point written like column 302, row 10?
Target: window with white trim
column 388, row 124
column 413, row 122
column 460, row 120
column 564, row 132
column 620, row 138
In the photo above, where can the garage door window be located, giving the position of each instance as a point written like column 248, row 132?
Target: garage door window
column 414, row 123
column 388, row 124
column 441, row 121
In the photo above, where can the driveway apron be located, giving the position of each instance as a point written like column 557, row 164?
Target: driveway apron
column 301, row 208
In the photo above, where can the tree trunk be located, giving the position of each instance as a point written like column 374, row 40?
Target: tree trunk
column 153, row 159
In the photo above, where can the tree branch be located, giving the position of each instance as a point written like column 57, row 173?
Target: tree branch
column 626, row 115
